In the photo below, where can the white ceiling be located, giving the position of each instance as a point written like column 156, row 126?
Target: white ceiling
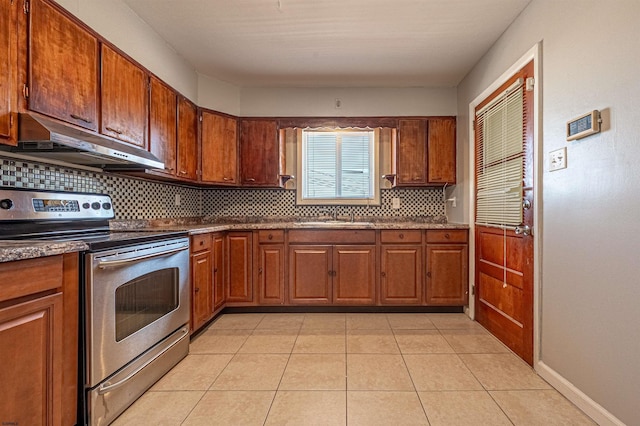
column 331, row 43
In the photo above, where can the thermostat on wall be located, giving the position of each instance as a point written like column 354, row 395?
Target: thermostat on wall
column 585, row 125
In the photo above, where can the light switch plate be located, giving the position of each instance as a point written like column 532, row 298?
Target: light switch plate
column 558, row 159
column 177, row 200
column 395, row 203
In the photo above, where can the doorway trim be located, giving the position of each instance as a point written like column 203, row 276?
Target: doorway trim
column 535, row 54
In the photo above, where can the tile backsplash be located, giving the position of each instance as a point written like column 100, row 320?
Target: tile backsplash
column 135, row 198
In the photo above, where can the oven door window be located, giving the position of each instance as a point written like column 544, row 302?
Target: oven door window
column 144, row 300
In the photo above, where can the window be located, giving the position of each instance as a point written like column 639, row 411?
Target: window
column 338, row 166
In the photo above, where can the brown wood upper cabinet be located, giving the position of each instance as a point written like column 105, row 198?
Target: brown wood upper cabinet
column 8, row 69
column 187, row 139
column 163, row 125
column 441, row 151
column 219, row 148
column 63, row 67
column 426, row 152
column 260, row 153
column 124, row 98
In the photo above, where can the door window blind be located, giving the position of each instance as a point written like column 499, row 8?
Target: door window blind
column 500, row 155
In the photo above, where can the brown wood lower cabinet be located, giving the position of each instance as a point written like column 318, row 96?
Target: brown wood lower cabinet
column 201, row 281
column 401, row 274
column 270, row 272
column 447, row 268
column 38, row 340
column 239, row 266
column 332, row 274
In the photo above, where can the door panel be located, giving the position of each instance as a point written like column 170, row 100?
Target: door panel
column 504, row 258
column 354, row 275
column 310, row 274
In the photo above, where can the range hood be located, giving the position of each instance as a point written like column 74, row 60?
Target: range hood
column 45, row 138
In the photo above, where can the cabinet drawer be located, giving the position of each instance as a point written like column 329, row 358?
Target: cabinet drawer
column 25, row 277
column 401, row 236
column 447, row 236
column 332, row 236
column 200, row 242
column 271, row 236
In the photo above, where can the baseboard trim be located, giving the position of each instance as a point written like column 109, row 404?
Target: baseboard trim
column 591, row 408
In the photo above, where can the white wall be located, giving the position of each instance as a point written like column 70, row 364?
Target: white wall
column 320, row 102
column 116, row 22
column 218, row 95
column 590, row 242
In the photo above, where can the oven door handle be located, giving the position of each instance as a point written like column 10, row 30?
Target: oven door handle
column 102, row 264
column 108, row 387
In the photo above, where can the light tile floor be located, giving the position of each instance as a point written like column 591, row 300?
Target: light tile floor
column 355, row 369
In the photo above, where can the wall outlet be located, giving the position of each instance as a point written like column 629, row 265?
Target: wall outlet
column 558, row 159
column 395, row 203
column 338, row 103
column 177, row 200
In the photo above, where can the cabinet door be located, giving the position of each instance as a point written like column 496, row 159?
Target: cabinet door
column 219, row 148
column 412, row 153
column 271, row 273
column 163, row 113
column 201, row 284
column 442, row 151
column 125, row 99
column 187, row 140
column 239, row 261
column 401, row 275
column 218, row 271
column 354, row 280
column 259, row 153
column 8, row 68
column 63, row 67
column 310, row 274
column 31, row 356
column 447, row 276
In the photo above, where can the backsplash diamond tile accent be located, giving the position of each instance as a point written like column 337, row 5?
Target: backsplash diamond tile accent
column 141, row 199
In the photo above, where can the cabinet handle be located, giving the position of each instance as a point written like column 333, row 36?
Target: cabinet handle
column 428, row 274
column 401, row 236
column 251, row 180
column 447, row 236
column 183, row 172
column 196, row 289
column 383, row 274
column 416, row 178
column 226, row 179
column 215, row 270
column 77, row 117
column 111, row 129
column 270, row 237
column 259, row 270
column 169, row 169
column 201, row 243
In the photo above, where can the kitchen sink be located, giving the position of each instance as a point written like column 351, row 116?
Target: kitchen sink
column 335, row 224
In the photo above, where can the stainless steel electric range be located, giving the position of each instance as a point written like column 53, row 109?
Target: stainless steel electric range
column 134, row 294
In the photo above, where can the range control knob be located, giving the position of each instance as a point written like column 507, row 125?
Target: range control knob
column 6, row 204
column 106, row 206
column 86, row 206
column 95, row 205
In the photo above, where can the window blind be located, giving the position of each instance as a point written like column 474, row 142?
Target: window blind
column 337, row 164
column 499, row 168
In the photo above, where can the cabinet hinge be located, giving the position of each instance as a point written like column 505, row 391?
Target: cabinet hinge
column 25, row 7
column 201, row 119
column 25, row 91
column 531, row 82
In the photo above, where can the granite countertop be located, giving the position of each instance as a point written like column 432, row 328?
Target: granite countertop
column 204, row 225
column 28, row 249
